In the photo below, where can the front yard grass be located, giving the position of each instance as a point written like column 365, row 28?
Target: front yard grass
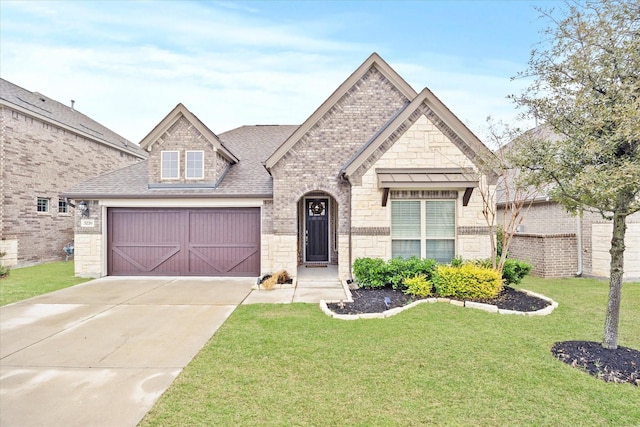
column 27, row 282
column 435, row 364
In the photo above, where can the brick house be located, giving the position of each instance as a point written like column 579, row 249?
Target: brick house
column 45, row 147
column 377, row 170
column 559, row 244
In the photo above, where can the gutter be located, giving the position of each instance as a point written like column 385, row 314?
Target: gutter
column 579, row 244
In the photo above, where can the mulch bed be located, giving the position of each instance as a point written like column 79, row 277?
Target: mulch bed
column 373, row 301
column 621, row 365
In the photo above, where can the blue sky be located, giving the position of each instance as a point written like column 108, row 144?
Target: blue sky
column 127, row 64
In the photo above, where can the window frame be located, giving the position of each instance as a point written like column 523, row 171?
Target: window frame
column 424, row 236
column 186, row 164
column 162, row 164
column 63, row 207
column 46, row 206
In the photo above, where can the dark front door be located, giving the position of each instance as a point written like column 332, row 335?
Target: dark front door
column 317, row 230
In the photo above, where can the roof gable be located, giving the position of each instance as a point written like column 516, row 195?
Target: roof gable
column 178, row 112
column 427, row 104
column 374, row 61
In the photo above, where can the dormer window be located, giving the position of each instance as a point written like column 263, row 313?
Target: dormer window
column 170, row 165
column 194, row 162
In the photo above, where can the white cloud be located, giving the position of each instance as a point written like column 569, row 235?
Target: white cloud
column 128, row 64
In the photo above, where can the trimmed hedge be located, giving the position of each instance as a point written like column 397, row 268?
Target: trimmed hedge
column 466, row 281
column 376, row 273
column 463, row 279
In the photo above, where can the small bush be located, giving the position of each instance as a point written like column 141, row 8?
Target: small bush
column 467, row 281
column 4, row 271
column 370, row 272
column 514, row 271
column 418, row 285
column 457, row 261
column 399, row 269
column 376, row 273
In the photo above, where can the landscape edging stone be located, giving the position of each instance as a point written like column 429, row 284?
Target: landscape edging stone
column 470, row 304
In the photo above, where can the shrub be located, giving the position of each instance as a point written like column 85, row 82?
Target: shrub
column 418, row 285
column 376, row 273
column 514, row 271
column 467, row 281
column 370, row 272
column 457, row 261
column 4, row 271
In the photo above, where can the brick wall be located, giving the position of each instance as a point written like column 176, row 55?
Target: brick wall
column 182, row 136
column 314, row 162
column 549, row 219
column 42, row 160
column 552, row 255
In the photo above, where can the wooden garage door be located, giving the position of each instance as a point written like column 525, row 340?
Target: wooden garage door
column 183, row 242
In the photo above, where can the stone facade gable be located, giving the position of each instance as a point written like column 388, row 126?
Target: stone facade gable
column 182, row 136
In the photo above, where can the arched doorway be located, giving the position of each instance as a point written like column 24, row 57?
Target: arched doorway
column 317, row 229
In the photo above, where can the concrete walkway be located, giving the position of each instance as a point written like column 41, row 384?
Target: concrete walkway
column 101, row 353
column 312, row 285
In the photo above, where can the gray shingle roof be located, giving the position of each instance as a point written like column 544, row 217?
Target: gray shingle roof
column 247, row 178
column 57, row 113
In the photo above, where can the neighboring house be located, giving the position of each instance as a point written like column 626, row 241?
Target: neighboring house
column 46, row 147
column 559, row 244
column 378, row 170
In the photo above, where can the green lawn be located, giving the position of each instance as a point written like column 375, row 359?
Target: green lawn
column 27, row 282
column 435, row 364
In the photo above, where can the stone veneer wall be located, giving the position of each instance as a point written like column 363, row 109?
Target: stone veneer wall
column 40, row 159
column 423, row 145
column 314, row 162
column 601, row 258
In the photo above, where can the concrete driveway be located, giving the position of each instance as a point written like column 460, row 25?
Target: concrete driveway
column 101, row 353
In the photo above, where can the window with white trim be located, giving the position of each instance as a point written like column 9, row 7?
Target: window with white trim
column 423, row 228
column 42, row 205
column 194, row 164
column 170, row 168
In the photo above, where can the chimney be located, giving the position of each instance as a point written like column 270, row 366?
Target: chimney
column 72, row 103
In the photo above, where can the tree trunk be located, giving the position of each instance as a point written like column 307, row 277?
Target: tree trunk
column 615, row 282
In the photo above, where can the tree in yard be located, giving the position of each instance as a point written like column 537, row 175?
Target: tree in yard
column 511, row 191
column 586, row 89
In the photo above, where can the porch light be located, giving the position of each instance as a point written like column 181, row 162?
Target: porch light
column 83, row 206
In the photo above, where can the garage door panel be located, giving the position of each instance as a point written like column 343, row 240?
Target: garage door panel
column 206, row 242
column 147, row 258
column 229, row 226
column 228, row 260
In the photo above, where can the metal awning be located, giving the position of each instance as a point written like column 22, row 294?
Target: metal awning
column 427, row 178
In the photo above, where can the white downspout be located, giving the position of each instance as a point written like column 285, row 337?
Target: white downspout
column 579, row 243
